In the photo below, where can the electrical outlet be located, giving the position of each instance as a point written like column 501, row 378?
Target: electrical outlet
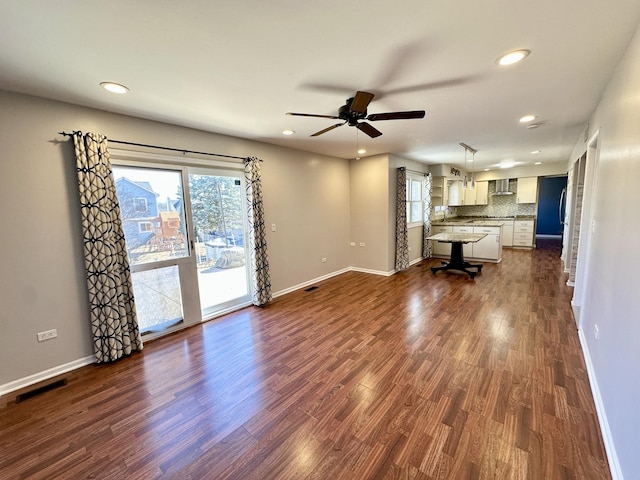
column 273, row 227
column 48, row 335
column 596, row 331
column 324, row 259
column 362, row 244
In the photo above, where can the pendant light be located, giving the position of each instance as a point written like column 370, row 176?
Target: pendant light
column 464, row 180
column 469, row 182
column 472, row 183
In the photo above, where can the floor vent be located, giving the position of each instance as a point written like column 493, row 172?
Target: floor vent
column 37, row 391
column 310, row 289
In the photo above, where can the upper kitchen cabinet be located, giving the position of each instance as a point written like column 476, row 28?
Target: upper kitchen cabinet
column 482, row 193
column 476, row 196
column 527, row 190
column 455, row 193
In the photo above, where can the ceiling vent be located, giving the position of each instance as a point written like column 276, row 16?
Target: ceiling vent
column 502, row 187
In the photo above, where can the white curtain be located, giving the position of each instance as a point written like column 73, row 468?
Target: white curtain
column 112, row 309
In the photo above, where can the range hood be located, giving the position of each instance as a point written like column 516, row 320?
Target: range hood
column 502, row 187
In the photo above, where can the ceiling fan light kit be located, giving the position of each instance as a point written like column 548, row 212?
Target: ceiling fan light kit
column 354, row 113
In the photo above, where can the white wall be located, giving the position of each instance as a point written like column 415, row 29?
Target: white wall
column 612, row 285
column 42, row 282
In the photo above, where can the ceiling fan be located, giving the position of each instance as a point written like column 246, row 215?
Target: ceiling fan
column 355, row 111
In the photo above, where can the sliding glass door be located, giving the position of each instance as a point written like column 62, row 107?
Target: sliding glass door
column 218, row 218
column 185, row 234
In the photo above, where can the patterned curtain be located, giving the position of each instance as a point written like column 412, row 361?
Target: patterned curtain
column 426, row 202
column 257, row 235
column 402, row 236
column 112, row 308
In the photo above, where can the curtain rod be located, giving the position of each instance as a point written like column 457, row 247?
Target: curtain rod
column 415, row 171
column 181, row 150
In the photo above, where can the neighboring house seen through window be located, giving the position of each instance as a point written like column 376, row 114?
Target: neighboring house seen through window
column 145, row 227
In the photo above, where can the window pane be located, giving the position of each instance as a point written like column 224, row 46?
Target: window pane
column 416, row 212
column 416, row 190
column 152, row 213
column 158, row 298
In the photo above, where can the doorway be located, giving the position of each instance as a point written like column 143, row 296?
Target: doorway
column 551, row 205
column 218, row 219
column 184, row 230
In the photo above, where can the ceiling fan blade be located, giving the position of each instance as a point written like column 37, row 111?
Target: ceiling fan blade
column 368, row 129
column 361, row 101
column 328, row 129
column 312, row 115
column 396, row 115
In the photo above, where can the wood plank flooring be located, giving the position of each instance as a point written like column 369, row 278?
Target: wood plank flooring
column 411, row 377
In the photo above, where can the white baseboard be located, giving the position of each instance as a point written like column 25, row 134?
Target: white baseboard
column 609, row 446
column 374, row 272
column 311, row 282
column 45, row 375
column 417, row 260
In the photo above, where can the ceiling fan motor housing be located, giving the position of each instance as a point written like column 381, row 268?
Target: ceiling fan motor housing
column 345, row 113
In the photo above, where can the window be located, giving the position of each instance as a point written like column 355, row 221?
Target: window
column 415, row 209
column 140, row 205
column 145, row 227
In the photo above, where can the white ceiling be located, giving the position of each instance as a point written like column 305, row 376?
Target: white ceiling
column 235, row 67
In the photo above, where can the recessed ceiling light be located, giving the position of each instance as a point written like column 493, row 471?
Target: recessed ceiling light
column 533, row 125
column 114, row 87
column 288, row 132
column 535, row 152
column 513, row 57
column 362, row 151
column 527, row 118
column 538, row 163
column 486, row 169
column 506, row 165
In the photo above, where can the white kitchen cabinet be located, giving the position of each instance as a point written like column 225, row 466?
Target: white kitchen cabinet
column 527, row 190
column 468, row 195
column 441, row 249
column 467, row 248
column 482, row 193
column 523, row 233
column 490, row 247
column 507, row 233
column 476, row 196
column 455, row 193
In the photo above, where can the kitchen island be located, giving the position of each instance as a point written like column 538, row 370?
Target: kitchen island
column 456, row 260
column 488, row 249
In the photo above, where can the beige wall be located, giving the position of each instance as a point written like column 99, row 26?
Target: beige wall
column 369, row 213
column 42, row 284
column 612, row 263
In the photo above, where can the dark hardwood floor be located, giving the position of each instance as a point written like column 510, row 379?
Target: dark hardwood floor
column 413, row 376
